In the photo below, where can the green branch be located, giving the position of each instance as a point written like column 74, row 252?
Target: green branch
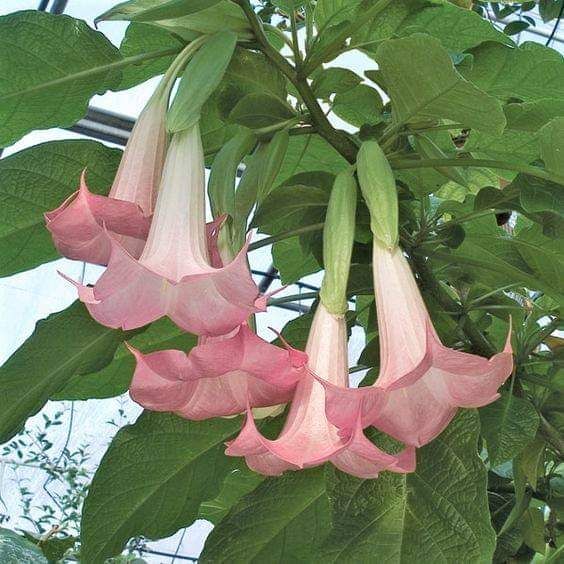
column 337, row 139
column 399, row 164
column 285, row 235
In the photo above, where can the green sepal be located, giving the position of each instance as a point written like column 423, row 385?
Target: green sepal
column 378, row 187
column 338, row 239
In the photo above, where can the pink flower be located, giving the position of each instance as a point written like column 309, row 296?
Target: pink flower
column 77, row 225
column 308, row 439
column 421, row 382
column 219, row 377
column 174, row 275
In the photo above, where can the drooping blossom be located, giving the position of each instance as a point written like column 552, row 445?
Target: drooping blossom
column 174, row 275
column 421, row 382
column 221, row 376
column 308, row 438
column 81, row 226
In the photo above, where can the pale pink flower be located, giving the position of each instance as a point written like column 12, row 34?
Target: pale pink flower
column 421, row 383
column 308, row 439
column 174, row 275
column 219, row 377
column 81, row 226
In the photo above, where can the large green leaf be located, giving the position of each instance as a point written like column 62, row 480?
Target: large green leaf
column 508, row 425
column 436, row 515
column 37, row 180
column 520, row 141
column 423, row 84
column 294, row 259
column 282, row 520
column 523, row 73
column 114, row 379
column 152, row 480
column 201, row 77
column 64, row 344
column 15, row 549
column 552, row 146
column 240, row 482
column 310, row 152
column 457, row 29
column 258, row 110
column 143, row 38
column 148, row 10
column 50, row 66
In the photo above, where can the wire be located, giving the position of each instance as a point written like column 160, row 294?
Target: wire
column 43, row 5
column 555, row 28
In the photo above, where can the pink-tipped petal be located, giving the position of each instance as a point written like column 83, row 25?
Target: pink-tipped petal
column 219, row 377
column 157, row 382
column 77, row 226
column 308, row 438
column 173, row 276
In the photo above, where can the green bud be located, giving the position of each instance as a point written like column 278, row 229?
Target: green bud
column 378, row 187
column 338, row 239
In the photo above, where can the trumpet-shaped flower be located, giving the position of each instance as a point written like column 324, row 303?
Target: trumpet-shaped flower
column 81, row 226
column 308, row 438
column 219, row 377
column 421, row 382
column 174, row 275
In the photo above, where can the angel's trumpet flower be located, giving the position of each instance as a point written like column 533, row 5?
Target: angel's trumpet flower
column 81, row 225
column 174, row 275
column 308, row 438
column 219, row 377
column 421, row 383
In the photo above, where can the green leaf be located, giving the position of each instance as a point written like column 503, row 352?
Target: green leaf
column 301, row 200
column 201, row 77
column 293, row 258
column 258, row 110
column 53, row 548
column 221, row 185
column 520, row 140
column 114, row 379
column 359, row 105
column 457, row 29
column 148, row 10
column 282, row 520
column 37, row 180
column 15, row 549
column 237, row 484
column 423, row 84
column 510, row 73
column 552, row 147
column 152, row 480
column 310, row 152
column 508, row 425
column 64, row 344
column 143, row 38
column 224, row 17
column 437, row 514
column 50, row 67
column 334, row 80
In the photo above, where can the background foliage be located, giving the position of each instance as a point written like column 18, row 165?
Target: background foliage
column 473, row 126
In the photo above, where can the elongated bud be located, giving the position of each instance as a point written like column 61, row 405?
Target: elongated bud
column 338, row 238
column 378, row 187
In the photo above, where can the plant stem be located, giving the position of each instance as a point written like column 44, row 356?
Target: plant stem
column 285, row 235
column 293, row 298
column 337, row 139
column 468, row 162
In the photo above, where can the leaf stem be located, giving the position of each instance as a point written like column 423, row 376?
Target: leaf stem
column 468, row 162
column 285, row 235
